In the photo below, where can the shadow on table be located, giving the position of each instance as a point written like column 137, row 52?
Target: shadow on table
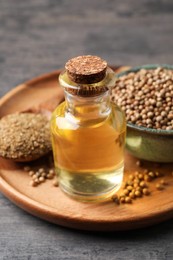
column 159, row 230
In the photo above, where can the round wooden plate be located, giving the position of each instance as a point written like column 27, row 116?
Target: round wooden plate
column 49, row 203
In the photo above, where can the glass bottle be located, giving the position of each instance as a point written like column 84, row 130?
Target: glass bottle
column 88, row 131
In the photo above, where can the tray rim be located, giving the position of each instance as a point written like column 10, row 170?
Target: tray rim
column 23, row 85
column 26, row 202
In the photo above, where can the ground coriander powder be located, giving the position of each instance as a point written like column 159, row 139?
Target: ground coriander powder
column 24, row 136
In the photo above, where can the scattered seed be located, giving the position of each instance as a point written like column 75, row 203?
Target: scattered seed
column 136, row 173
column 132, row 195
column 43, row 174
column 141, row 176
column 122, row 199
column 163, row 182
column 37, row 181
column 31, row 173
column 38, row 174
column 136, row 181
column 131, row 177
column 49, row 176
column 125, row 192
column 135, row 185
column 34, row 176
column 138, row 193
column 130, row 183
column 143, row 184
column 128, row 200
column 158, row 174
column 114, row 197
column 129, row 188
column 159, row 186
column 121, row 195
column 145, row 191
column 41, row 170
column 138, row 188
column 56, row 182
column 33, row 183
column 51, row 171
column 147, row 178
column 41, row 179
column 151, row 174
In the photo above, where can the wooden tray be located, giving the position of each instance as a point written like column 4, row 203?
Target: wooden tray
column 49, row 203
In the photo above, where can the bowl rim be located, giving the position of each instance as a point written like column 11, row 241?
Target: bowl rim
column 143, row 128
column 150, row 130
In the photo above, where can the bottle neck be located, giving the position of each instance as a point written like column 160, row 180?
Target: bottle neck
column 87, row 109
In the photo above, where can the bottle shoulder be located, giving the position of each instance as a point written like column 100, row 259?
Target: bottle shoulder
column 59, row 119
column 62, row 120
column 59, row 110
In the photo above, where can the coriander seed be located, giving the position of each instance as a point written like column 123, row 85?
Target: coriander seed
column 125, row 192
column 151, row 174
column 159, row 186
column 41, row 179
column 138, row 193
column 145, row 191
column 142, row 184
column 132, row 195
column 41, row 170
column 150, row 96
column 56, row 182
column 31, row 173
column 128, row 199
column 33, row 183
column 129, row 188
column 147, row 178
column 122, row 199
column 163, row 182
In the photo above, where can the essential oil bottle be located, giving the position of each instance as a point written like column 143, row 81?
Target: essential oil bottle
column 88, row 131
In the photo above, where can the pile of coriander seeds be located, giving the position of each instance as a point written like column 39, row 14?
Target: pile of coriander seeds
column 39, row 175
column 146, row 96
column 137, row 185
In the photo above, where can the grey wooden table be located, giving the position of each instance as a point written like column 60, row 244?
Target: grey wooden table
column 38, row 36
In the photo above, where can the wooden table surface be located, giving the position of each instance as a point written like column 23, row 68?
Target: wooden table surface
column 37, row 37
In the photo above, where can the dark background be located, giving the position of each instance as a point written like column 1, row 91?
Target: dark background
column 38, row 36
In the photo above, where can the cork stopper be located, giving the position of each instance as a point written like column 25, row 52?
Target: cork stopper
column 86, row 69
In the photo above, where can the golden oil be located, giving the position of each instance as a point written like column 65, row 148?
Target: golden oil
column 88, row 137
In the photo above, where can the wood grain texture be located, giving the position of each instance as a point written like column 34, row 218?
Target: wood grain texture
column 40, row 36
